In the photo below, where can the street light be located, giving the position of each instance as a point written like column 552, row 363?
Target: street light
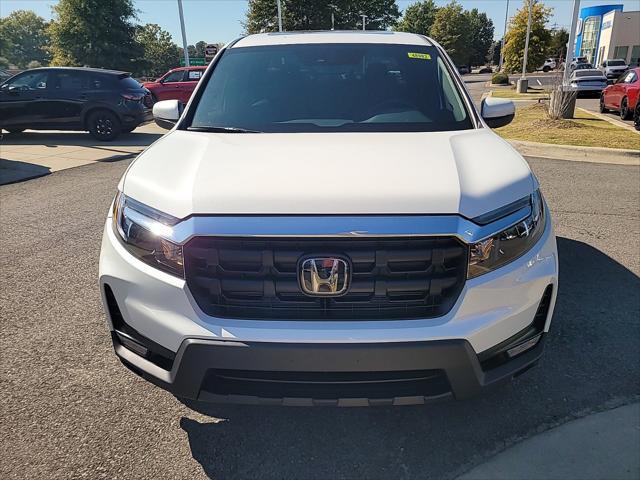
column 523, row 83
column 279, row 16
column 526, row 41
column 506, row 19
column 571, row 43
column 184, row 35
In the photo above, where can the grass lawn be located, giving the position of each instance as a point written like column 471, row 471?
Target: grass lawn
column 532, row 124
column 511, row 93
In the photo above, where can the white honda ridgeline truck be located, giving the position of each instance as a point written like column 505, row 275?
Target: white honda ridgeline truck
column 329, row 222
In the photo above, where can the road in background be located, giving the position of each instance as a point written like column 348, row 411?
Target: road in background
column 71, row 410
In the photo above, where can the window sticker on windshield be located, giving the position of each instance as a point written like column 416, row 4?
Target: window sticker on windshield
column 421, row 56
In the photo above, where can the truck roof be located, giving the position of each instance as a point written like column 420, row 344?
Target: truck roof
column 347, row 36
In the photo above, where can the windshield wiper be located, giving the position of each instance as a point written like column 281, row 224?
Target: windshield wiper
column 221, row 130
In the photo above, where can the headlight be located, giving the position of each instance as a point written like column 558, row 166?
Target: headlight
column 509, row 244
column 143, row 232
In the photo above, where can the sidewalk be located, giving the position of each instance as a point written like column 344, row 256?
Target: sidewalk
column 600, row 446
column 35, row 153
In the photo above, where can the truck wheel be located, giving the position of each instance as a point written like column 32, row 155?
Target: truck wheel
column 546, row 69
column 104, row 125
column 625, row 114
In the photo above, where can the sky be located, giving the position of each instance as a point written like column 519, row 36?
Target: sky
column 220, row 20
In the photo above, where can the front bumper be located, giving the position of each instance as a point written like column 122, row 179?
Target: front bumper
column 329, row 362
column 133, row 117
column 614, row 75
column 326, row 374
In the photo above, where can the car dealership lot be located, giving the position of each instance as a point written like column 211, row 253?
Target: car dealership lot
column 71, row 410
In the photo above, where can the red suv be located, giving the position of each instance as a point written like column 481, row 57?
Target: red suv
column 176, row 84
column 623, row 95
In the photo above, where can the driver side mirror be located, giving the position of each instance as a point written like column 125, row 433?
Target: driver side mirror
column 167, row 113
column 497, row 112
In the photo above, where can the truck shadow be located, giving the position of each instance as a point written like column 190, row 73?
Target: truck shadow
column 590, row 363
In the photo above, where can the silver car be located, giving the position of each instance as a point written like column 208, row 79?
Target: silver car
column 588, row 80
column 614, row 68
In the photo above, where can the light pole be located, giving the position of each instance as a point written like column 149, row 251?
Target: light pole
column 523, row 83
column 506, row 19
column 279, row 16
column 526, row 42
column 364, row 21
column 571, row 43
column 184, row 35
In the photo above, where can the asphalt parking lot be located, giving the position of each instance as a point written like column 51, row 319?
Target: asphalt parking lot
column 71, row 410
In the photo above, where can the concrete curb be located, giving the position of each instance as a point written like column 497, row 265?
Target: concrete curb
column 600, row 445
column 612, row 156
column 521, row 100
column 613, row 121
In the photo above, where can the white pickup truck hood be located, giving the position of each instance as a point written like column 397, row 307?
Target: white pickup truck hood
column 469, row 172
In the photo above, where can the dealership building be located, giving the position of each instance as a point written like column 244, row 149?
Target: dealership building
column 607, row 32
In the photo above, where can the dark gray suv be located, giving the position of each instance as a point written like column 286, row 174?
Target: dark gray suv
column 103, row 102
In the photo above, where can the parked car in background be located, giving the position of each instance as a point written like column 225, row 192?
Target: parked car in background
column 581, row 66
column 622, row 96
column 614, row 68
column 577, row 62
column 550, row 64
column 636, row 116
column 486, row 69
column 463, row 70
column 176, row 84
column 588, row 81
column 104, row 102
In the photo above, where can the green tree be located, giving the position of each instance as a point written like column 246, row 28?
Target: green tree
column 96, row 33
column 418, row 17
column 558, row 43
column 24, row 38
column 200, row 46
column 480, row 36
column 538, row 40
column 159, row 53
column 262, row 15
column 450, row 29
column 4, row 63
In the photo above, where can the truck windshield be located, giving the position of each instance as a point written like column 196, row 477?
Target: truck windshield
column 330, row 87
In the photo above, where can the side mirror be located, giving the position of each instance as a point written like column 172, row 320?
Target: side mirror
column 497, row 112
column 13, row 89
column 167, row 112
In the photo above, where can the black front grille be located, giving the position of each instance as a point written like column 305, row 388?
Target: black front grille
column 327, row 385
column 390, row 278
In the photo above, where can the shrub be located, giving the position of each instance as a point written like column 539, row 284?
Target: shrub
column 500, row 78
column 34, row 64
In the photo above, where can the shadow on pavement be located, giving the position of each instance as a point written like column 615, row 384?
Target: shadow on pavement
column 79, row 139
column 591, row 362
column 17, row 171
